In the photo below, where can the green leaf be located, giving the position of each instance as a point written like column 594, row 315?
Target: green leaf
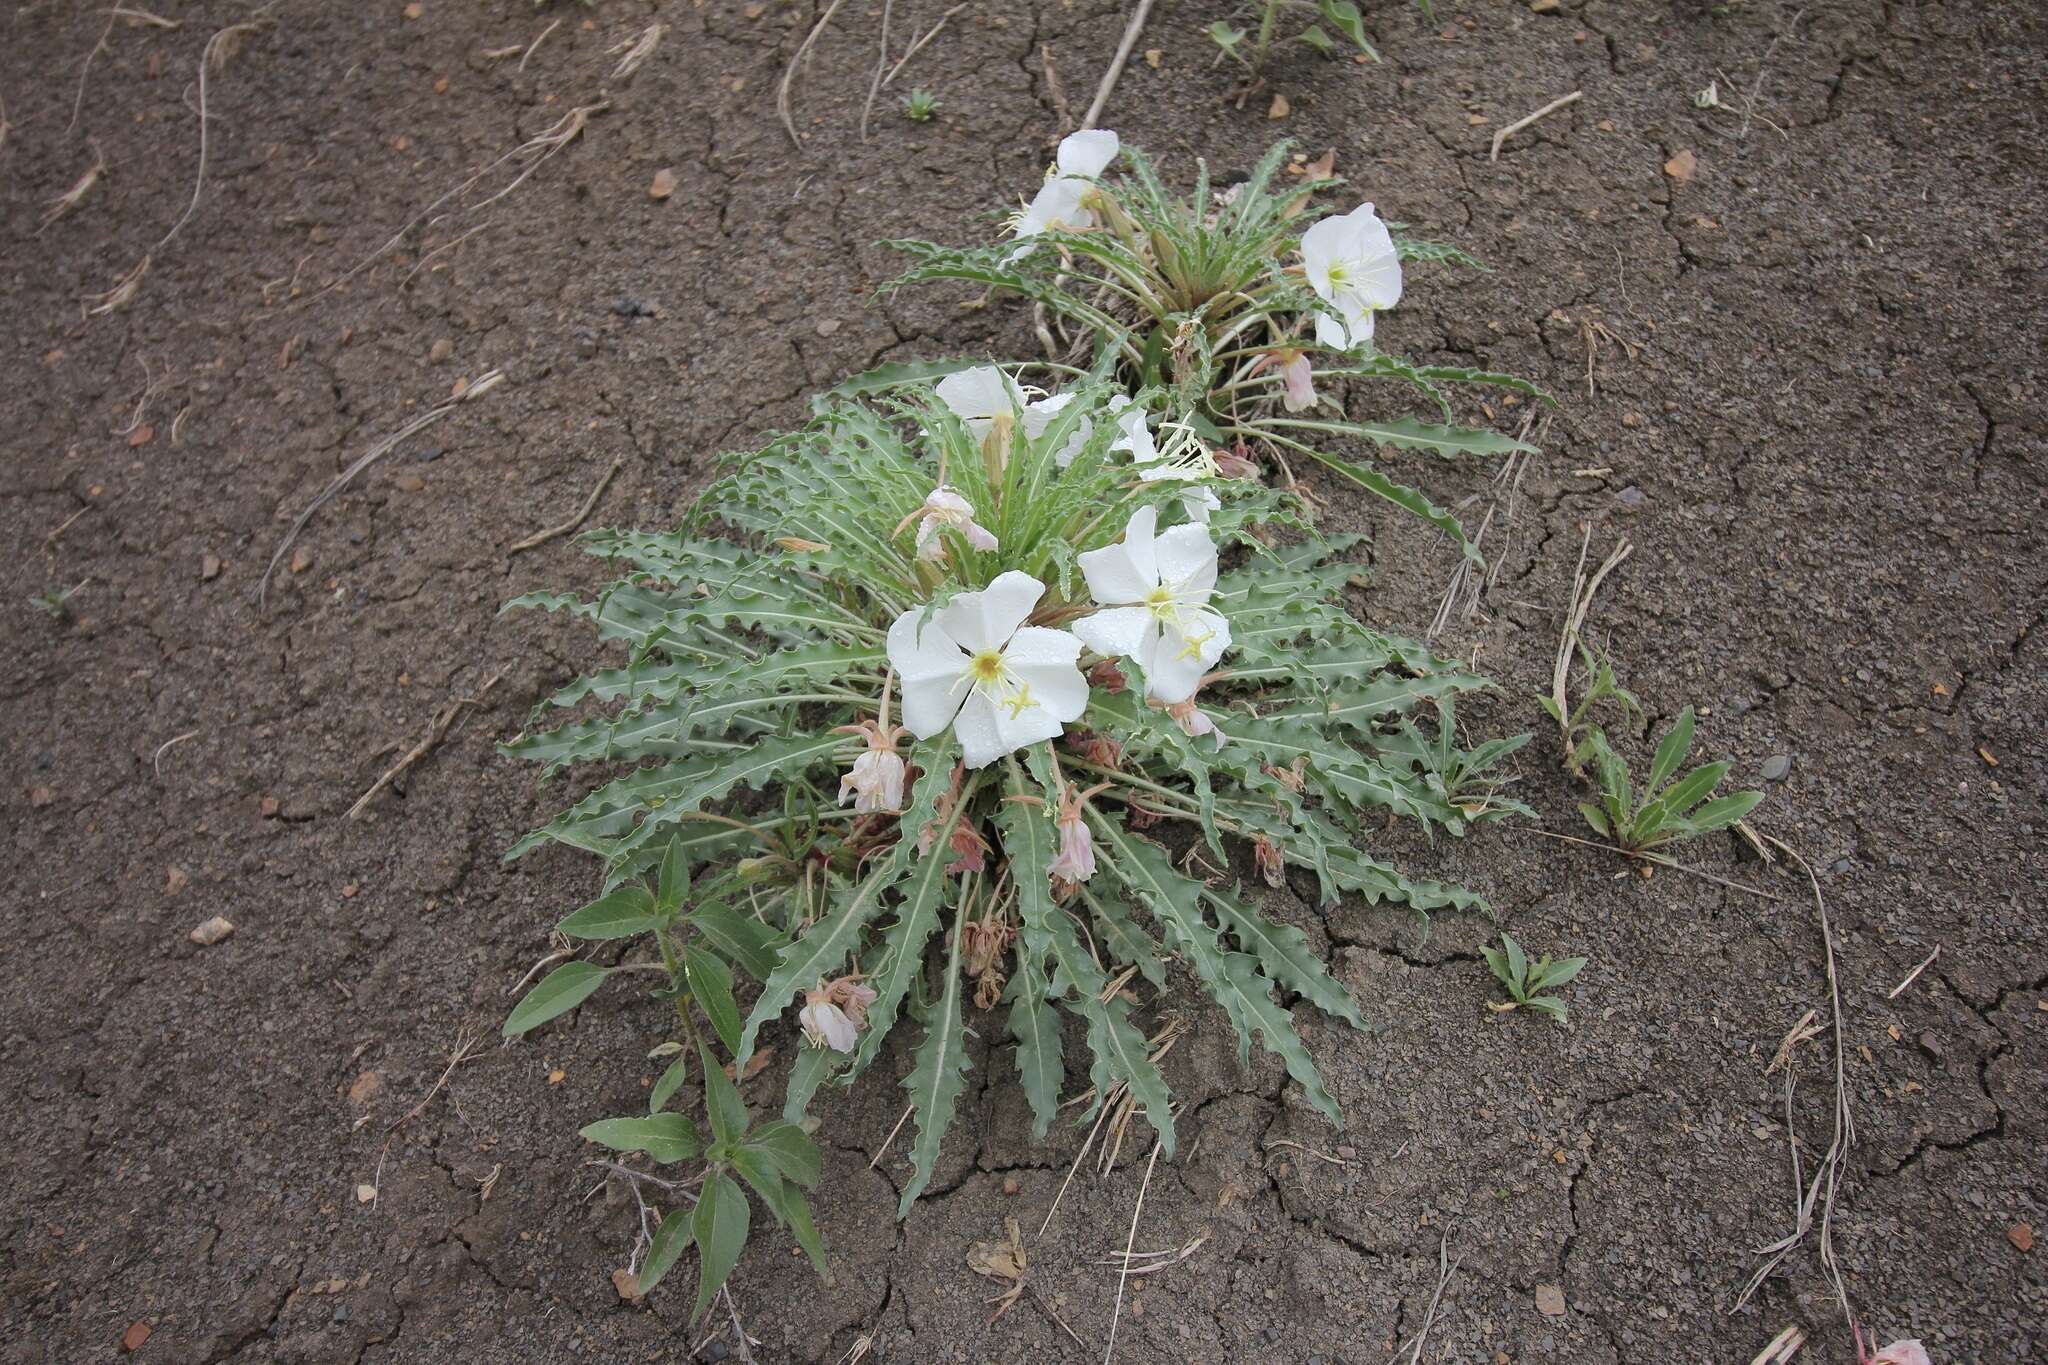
column 1403, row 497
column 671, row 1081
column 1723, row 812
column 622, row 914
column 1672, row 751
column 935, row 1081
column 711, row 983
column 1550, row 1005
column 665, row 1137
column 813, row 1065
column 1345, row 18
column 720, row 1225
column 1317, row 39
column 1594, row 818
column 894, row 375
column 722, row 1102
column 671, row 1240
column 1284, row 953
column 788, row 1150
column 1040, row 1065
column 1518, row 962
column 747, row 942
column 675, row 880
column 1498, row 962
column 818, row 954
column 560, row 991
column 1226, row 37
column 1556, row 974
column 797, row 1210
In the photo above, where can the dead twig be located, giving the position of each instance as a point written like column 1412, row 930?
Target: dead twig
column 883, row 1151
column 918, row 46
column 881, row 61
column 99, row 46
column 50, row 540
column 1116, row 63
column 1895, row 992
column 1445, row 1268
column 1124, row 1274
column 1649, row 856
column 69, row 200
column 1816, row 1195
column 543, row 537
column 421, row 264
column 1053, row 88
column 436, row 732
column 466, row 1048
column 637, row 50
column 1519, row 124
column 535, row 44
column 1576, row 611
column 156, row 760
column 219, row 50
column 789, row 75
column 483, row 385
column 1781, row 1348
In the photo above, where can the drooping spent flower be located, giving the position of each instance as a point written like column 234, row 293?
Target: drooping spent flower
column 876, row 780
column 834, row 1013
column 974, row 665
column 1194, row 721
column 944, row 506
column 1062, row 201
column 1300, row 379
column 1353, row 267
column 1154, row 594
column 1075, row 862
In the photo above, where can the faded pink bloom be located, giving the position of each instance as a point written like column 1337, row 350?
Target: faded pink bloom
column 945, row 507
column 969, row 852
column 835, row 1012
column 875, row 783
column 1096, row 748
column 1235, row 464
column 1107, row 676
column 1194, row 721
column 1075, row 861
column 1907, row 1352
column 1272, row 865
column 1301, row 384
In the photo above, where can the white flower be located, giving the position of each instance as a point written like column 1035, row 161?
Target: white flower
column 976, row 666
column 1154, row 591
column 1135, row 424
column 1353, row 267
column 826, row 1025
column 943, row 506
column 1062, row 201
column 1186, row 458
column 983, row 394
column 876, row 782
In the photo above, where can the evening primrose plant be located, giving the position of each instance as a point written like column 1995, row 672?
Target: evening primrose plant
column 950, row 705
column 1250, row 309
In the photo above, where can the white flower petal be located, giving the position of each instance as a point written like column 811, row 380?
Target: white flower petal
column 1173, row 674
column 1044, row 661
column 1137, row 436
column 1056, row 205
column 1211, row 623
column 1126, row 572
column 1088, row 152
column 1028, row 726
column 1333, row 333
column 987, row 619
column 981, row 741
column 1187, row 562
column 979, row 393
column 827, row 1021
column 1116, row 631
column 1199, row 504
column 1038, row 416
column 928, row 666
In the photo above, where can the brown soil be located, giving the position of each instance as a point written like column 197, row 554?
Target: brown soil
column 1824, row 432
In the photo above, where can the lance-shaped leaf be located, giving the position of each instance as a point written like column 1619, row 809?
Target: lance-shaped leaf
column 1285, row 956
column 1041, row 1066
column 818, row 953
column 935, row 1081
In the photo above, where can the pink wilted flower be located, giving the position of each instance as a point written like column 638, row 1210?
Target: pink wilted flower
column 834, row 1013
column 944, row 506
column 1075, row 862
column 1194, row 721
column 1907, row 1352
column 1301, row 384
column 970, row 852
column 1272, row 865
column 876, row 781
column 1235, row 464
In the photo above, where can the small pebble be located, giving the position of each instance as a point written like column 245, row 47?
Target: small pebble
column 440, row 350
column 1776, row 767
column 209, row 567
column 212, row 931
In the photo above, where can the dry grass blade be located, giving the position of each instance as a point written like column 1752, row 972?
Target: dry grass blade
column 589, row 503
column 637, row 50
column 918, row 46
column 142, row 18
column 1445, row 1268
column 1816, row 1196
column 99, row 45
column 1782, row 1348
column 534, row 46
column 436, row 732
column 484, row 384
column 789, row 76
column 125, row 288
column 1914, row 975
column 69, row 200
column 156, row 760
column 535, row 151
column 1116, row 63
column 881, row 63
column 1519, row 124
column 220, row 50
column 1123, row 1275
column 1150, row 1262
column 1583, row 589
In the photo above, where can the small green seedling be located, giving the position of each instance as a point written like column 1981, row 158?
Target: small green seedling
column 1250, row 50
column 1574, row 727
column 919, row 105
column 1666, row 814
column 1464, row 779
column 55, row 602
column 1526, row 981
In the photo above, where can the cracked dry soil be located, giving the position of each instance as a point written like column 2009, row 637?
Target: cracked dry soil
column 1825, row 435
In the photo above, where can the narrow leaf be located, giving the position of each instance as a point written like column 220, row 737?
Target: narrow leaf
column 560, row 991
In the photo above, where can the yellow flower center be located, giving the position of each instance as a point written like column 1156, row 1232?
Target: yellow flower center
column 987, row 667
column 1339, row 275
